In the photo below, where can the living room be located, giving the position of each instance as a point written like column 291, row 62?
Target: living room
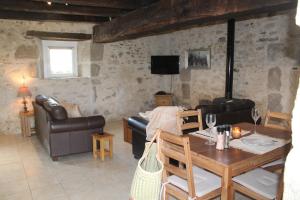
column 113, row 79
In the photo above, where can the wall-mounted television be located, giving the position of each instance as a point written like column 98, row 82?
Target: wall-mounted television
column 164, row 64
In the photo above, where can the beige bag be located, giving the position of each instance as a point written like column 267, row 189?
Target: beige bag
column 146, row 183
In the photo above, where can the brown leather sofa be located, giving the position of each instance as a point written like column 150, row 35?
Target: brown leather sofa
column 62, row 135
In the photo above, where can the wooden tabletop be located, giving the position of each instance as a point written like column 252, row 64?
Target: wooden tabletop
column 232, row 162
column 232, row 155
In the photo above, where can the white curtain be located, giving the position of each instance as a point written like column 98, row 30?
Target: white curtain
column 292, row 165
column 298, row 14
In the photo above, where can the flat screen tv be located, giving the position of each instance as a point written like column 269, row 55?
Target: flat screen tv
column 164, row 64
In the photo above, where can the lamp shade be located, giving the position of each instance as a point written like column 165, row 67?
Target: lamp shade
column 24, row 92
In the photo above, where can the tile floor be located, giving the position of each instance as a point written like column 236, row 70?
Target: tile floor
column 28, row 173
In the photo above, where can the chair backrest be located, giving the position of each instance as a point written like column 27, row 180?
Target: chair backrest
column 177, row 148
column 283, row 120
column 186, row 125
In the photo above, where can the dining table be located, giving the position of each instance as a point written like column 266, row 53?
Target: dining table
column 232, row 162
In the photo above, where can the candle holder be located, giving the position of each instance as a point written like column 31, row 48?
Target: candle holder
column 236, row 132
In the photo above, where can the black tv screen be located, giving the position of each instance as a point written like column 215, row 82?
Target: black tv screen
column 164, row 64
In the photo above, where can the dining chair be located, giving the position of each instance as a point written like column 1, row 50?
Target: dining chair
column 186, row 183
column 259, row 184
column 283, row 123
column 185, row 123
column 283, row 120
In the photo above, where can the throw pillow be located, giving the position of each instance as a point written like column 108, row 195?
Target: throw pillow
column 72, row 109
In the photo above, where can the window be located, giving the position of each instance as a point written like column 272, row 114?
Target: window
column 60, row 59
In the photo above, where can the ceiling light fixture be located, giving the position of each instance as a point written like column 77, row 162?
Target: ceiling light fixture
column 66, row 4
column 49, row 3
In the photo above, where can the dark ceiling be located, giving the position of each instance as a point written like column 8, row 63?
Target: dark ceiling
column 94, row 11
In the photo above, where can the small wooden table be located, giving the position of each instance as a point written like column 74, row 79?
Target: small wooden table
column 102, row 152
column 233, row 162
column 127, row 131
column 25, row 123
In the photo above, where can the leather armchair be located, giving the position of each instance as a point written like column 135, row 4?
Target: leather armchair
column 62, row 135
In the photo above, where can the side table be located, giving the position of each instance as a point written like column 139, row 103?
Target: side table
column 25, row 123
column 102, row 152
column 127, row 131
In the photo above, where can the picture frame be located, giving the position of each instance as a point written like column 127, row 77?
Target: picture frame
column 198, row 59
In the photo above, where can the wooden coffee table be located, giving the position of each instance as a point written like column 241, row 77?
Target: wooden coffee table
column 102, row 139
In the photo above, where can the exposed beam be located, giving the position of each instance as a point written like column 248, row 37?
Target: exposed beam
column 41, row 7
column 59, row 36
column 123, row 4
column 171, row 15
column 20, row 15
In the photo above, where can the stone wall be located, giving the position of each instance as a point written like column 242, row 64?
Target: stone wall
column 116, row 79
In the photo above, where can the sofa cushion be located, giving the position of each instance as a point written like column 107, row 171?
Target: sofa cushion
column 72, row 109
column 40, row 99
column 211, row 108
column 239, row 104
column 56, row 111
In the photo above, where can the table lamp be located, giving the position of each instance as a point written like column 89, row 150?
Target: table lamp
column 24, row 92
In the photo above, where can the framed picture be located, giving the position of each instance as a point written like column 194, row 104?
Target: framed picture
column 198, row 59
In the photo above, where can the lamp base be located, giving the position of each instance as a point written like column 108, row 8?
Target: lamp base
column 25, row 105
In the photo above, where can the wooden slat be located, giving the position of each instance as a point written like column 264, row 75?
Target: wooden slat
column 173, row 154
column 169, row 137
column 124, row 4
column 283, row 117
column 41, row 7
column 59, row 36
column 162, row 18
column 190, row 125
column 176, row 170
column 176, row 192
column 248, row 192
column 21, row 15
column 188, row 113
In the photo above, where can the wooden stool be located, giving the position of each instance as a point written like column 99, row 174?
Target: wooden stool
column 102, row 152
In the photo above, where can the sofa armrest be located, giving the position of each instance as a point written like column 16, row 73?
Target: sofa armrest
column 77, row 124
column 138, row 123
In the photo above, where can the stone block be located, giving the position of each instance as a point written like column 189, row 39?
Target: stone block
column 274, row 102
column 186, row 93
column 139, row 80
column 97, row 52
column 95, row 70
column 275, row 51
column 274, row 79
column 271, row 39
column 185, row 75
column 26, row 52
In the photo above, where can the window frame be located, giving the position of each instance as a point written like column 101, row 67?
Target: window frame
column 47, row 45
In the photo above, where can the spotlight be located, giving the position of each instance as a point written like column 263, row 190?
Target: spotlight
column 49, row 3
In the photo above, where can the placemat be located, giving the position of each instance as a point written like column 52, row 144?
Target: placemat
column 258, row 143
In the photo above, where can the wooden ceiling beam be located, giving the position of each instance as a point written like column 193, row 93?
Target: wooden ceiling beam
column 20, row 15
column 171, row 15
column 122, row 4
column 59, row 36
column 40, row 7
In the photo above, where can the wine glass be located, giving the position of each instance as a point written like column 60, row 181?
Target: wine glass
column 210, row 120
column 255, row 117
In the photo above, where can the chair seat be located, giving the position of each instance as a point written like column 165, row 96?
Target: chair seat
column 276, row 162
column 260, row 181
column 205, row 182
